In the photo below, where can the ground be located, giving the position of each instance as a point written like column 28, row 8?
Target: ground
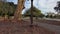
column 22, row 27
column 52, row 22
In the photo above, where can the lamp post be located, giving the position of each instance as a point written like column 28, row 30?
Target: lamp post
column 31, row 15
column 31, row 12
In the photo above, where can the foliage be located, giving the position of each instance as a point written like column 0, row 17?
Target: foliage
column 47, row 16
column 57, row 8
column 58, row 16
column 41, row 15
column 7, row 8
column 36, row 12
column 51, row 16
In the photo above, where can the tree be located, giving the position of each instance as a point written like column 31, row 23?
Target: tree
column 3, row 8
column 7, row 9
column 50, row 15
column 57, row 8
column 41, row 15
column 19, row 9
column 36, row 12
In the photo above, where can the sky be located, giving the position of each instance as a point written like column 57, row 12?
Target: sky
column 43, row 5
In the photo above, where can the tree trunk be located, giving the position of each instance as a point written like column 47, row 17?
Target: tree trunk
column 18, row 12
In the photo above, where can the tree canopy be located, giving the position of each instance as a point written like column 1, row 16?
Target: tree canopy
column 7, row 8
column 36, row 12
column 57, row 8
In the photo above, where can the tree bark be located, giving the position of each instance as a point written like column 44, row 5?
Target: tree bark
column 18, row 12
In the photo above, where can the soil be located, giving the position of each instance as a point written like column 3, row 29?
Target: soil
column 21, row 27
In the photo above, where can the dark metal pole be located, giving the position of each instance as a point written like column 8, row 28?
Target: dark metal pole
column 31, row 17
column 31, row 12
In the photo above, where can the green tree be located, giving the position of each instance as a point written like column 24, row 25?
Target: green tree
column 7, row 8
column 36, row 12
column 41, row 15
column 57, row 8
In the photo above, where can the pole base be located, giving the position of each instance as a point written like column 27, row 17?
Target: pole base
column 31, row 25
